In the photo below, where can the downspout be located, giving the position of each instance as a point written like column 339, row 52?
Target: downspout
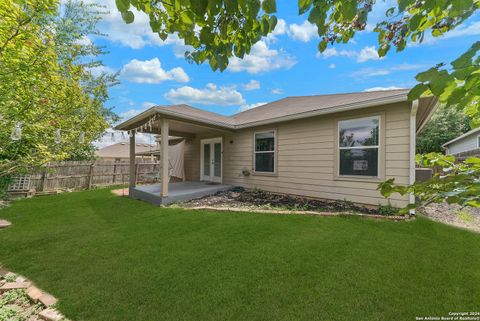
column 413, row 146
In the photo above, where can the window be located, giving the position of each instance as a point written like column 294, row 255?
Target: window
column 358, row 146
column 478, row 141
column 264, row 159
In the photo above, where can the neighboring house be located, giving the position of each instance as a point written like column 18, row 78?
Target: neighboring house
column 337, row 146
column 120, row 151
column 464, row 145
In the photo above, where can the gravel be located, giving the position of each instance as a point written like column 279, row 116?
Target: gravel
column 468, row 217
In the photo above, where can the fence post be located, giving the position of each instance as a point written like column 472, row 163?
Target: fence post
column 115, row 173
column 45, row 178
column 90, row 176
column 137, row 172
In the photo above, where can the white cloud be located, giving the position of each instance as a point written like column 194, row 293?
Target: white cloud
column 252, row 85
column 280, row 29
column 375, row 72
column 250, row 106
column 333, row 52
column 99, row 70
column 472, row 29
column 148, row 104
column 382, row 88
column 276, row 91
column 368, row 53
column 262, row 59
column 210, row 95
column 332, row 66
column 365, row 54
column 151, row 72
column 304, row 32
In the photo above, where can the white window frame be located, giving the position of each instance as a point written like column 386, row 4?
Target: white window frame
column 255, row 152
column 340, row 148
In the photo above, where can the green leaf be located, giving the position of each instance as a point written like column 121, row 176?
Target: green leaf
column 269, row 6
column 349, row 9
column 128, row 16
column 383, row 49
column 322, row 45
column 199, row 7
column 122, row 5
column 427, row 75
column 417, row 91
column 304, row 6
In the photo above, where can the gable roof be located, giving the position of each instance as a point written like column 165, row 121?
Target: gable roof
column 122, row 150
column 281, row 110
column 471, row 132
column 299, row 105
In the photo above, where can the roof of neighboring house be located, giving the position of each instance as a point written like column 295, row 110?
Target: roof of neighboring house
column 122, row 150
column 281, row 110
column 471, row 132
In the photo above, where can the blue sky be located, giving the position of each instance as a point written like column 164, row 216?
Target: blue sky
column 286, row 63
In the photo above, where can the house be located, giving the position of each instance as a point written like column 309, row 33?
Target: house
column 337, row 146
column 121, row 151
column 467, row 144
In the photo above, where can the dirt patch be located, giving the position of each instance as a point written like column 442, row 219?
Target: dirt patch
column 120, row 192
column 467, row 217
column 261, row 200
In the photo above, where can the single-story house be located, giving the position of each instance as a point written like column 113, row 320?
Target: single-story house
column 337, row 146
column 121, row 152
column 464, row 145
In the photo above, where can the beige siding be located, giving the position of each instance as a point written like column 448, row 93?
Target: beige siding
column 192, row 160
column 306, row 158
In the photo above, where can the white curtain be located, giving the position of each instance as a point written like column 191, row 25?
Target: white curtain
column 176, row 154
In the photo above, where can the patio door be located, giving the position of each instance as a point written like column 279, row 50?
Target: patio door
column 211, row 160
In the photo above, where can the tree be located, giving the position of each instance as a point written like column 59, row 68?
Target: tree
column 221, row 29
column 445, row 125
column 51, row 102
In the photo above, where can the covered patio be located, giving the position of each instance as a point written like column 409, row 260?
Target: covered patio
column 188, row 181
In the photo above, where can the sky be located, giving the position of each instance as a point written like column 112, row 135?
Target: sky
column 286, row 63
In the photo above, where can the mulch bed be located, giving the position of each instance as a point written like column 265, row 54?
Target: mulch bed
column 266, row 202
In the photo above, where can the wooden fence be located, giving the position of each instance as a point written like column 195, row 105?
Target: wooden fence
column 84, row 175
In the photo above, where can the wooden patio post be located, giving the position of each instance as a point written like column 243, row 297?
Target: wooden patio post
column 164, row 156
column 132, row 174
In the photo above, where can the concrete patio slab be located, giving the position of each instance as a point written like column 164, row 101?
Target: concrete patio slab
column 178, row 192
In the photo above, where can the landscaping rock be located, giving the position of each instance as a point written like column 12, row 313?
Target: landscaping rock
column 21, row 279
column 4, row 223
column 51, row 315
column 14, row 285
column 47, row 299
column 466, row 217
column 3, row 272
column 34, row 293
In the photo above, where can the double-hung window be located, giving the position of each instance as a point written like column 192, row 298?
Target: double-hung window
column 264, row 152
column 358, row 147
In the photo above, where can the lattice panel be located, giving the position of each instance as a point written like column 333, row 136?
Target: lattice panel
column 20, row 183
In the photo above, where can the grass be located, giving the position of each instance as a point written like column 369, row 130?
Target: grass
column 111, row 258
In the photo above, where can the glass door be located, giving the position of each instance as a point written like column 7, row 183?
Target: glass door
column 211, row 160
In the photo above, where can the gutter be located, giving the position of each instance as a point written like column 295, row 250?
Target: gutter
column 413, row 124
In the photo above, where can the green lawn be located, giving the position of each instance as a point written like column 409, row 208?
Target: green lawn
column 111, row 258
